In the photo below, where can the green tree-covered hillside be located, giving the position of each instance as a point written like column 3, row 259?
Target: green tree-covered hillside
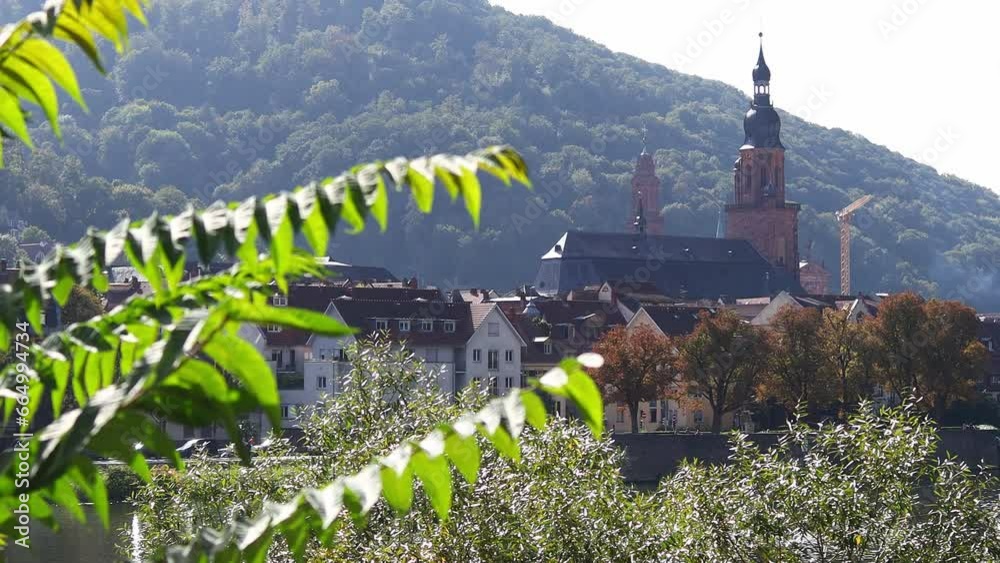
column 225, row 98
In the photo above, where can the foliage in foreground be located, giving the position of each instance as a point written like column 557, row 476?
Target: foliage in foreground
column 559, row 500
column 868, row 490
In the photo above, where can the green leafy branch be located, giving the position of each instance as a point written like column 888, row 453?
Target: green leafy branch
column 428, row 459
column 176, row 356
column 158, row 247
column 31, row 66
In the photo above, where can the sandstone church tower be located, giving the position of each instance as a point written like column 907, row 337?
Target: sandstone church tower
column 646, row 194
column 759, row 212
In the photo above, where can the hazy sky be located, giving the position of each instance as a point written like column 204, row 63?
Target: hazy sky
column 919, row 76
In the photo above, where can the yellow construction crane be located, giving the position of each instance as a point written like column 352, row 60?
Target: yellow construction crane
column 844, row 218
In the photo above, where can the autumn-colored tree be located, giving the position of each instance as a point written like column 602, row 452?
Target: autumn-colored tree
column 722, row 361
column 799, row 365
column 928, row 348
column 638, row 366
column 845, row 347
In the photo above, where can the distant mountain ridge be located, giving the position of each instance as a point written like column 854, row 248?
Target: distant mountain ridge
column 224, row 99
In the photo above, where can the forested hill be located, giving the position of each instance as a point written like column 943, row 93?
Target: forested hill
column 222, row 98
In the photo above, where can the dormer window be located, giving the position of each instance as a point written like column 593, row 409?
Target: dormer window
column 404, row 325
column 449, row 326
column 280, row 300
column 548, row 348
column 381, row 324
column 427, row 325
column 273, row 328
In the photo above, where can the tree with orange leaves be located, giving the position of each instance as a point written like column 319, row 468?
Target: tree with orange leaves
column 929, row 349
column 722, row 361
column 638, row 366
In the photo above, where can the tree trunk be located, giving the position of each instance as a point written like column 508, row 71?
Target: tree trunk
column 633, row 409
column 717, row 419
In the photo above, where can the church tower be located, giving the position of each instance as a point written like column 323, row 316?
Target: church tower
column 646, row 194
column 759, row 212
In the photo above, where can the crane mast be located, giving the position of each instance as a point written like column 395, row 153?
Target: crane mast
column 844, row 217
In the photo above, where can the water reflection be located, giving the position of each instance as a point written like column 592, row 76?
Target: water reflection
column 79, row 543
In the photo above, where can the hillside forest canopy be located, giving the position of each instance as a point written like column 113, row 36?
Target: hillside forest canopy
column 222, row 99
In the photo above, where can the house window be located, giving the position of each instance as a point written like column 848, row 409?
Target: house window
column 558, row 408
column 494, row 329
column 524, row 380
column 996, row 380
column 652, row 411
column 620, row 419
column 381, row 324
column 477, row 382
column 508, row 382
column 280, row 300
column 427, row 325
column 404, row 326
column 548, row 348
column 477, row 355
column 341, row 355
column 321, row 382
column 699, row 418
column 508, row 356
column 287, row 411
column 493, row 387
column 449, row 326
column 273, row 328
column 493, row 360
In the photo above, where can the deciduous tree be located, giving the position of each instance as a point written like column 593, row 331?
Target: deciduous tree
column 798, row 369
column 844, row 347
column 722, row 361
column 638, row 366
column 929, row 349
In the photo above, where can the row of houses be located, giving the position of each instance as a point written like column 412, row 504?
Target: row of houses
column 478, row 337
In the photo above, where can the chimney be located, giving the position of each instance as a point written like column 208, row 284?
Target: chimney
column 474, row 291
column 413, row 283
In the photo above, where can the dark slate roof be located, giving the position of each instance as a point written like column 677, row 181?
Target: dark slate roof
column 682, row 267
column 317, row 297
column 676, row 321
column 590, row 320
column 362, row 315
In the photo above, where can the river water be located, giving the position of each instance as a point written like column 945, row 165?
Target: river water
column 76, row 542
